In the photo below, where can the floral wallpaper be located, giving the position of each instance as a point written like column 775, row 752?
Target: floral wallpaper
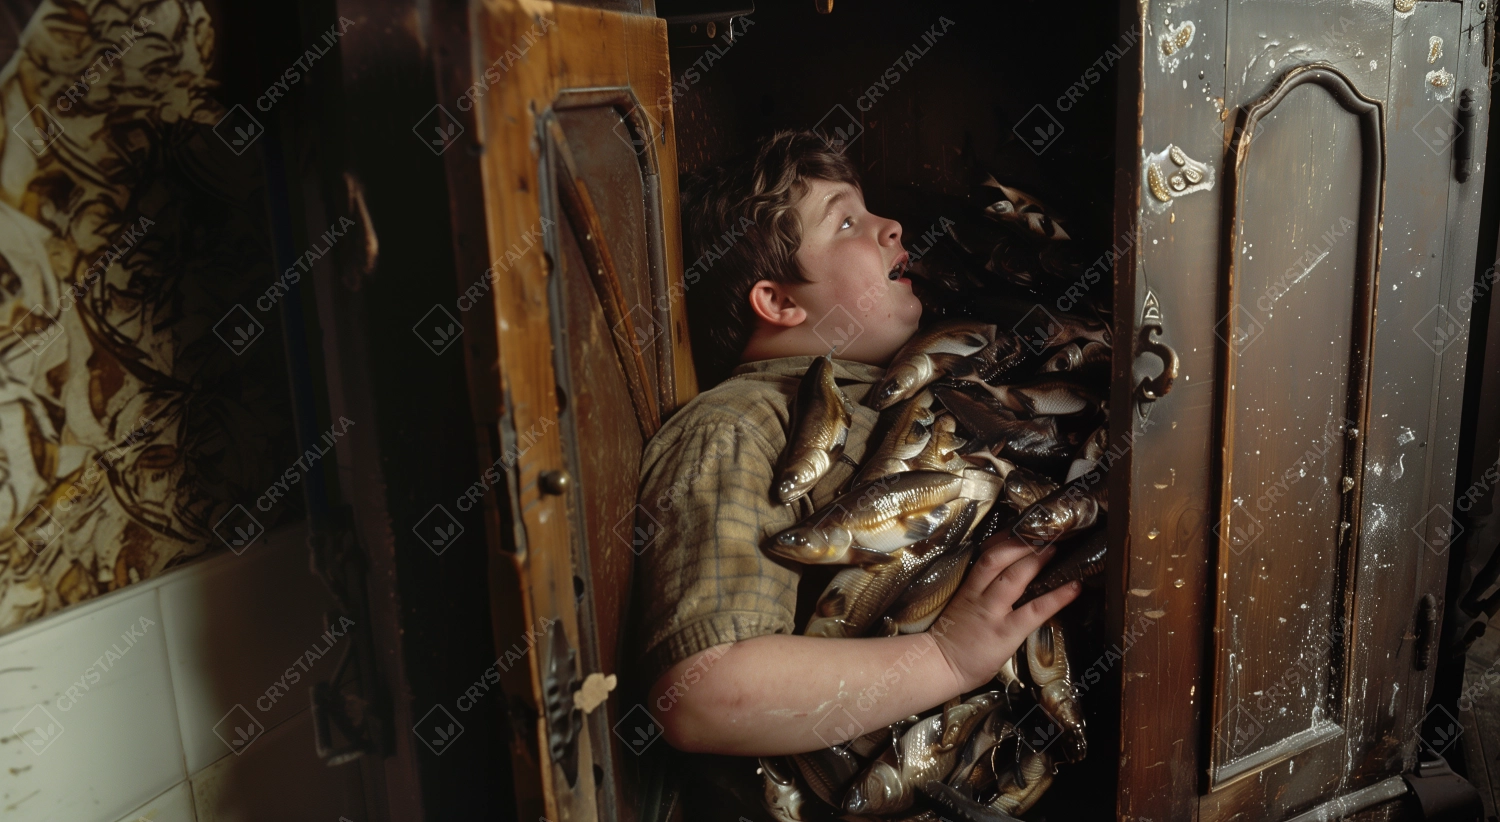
column 128, row 427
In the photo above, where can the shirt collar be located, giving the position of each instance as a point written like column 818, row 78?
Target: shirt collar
column 849, row 370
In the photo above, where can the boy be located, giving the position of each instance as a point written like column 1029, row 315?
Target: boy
column 788, row 263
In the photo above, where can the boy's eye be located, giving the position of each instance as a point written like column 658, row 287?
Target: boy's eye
column 847, row 221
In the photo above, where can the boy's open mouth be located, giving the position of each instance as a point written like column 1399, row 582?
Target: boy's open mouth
column 899, row 269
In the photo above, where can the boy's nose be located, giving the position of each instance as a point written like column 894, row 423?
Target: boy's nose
column 893, row 232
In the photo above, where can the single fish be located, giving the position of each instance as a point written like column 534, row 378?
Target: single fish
column 960, row 721
column 783, row 796
column 828, row 771
column 927, row 356
column 908, row 429
column 1077, row 559
column 889, row 784
column 1091, row 357
column 1046, row 396
column 1037, row 442
column 1047, row 666
column 940, row 452
column 856, row 597
column 1070, row 509
column 1089, row 454
column 929, row 593
column 1022, row 786
column 1006, row 356
column 971, row 773
column 820, row 427
column 883, row 516
column 1025, row 487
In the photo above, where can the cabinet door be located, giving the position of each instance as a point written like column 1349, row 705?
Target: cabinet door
column 1300, row 235
column 580, row 196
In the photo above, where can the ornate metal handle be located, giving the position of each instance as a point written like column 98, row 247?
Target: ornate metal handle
column 1152, row 389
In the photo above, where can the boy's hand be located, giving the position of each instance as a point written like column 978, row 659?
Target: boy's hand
column 980, row 629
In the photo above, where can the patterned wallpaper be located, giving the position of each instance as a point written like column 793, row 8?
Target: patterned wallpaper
column 128, row 428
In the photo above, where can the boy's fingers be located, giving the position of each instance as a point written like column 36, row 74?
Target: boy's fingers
column 1030, row 616
column 1009, row 584
column 998, row 555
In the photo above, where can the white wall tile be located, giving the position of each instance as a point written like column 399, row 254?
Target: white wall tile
column 97, row 678
column 278, row 776
column 236, row 627
column 176, row 805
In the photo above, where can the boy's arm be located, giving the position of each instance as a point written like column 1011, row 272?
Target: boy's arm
column 779, row 694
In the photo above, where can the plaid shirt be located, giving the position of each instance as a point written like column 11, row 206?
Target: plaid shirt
column 706, row 479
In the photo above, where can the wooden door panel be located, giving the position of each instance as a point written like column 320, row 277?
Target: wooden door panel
column 592, row 352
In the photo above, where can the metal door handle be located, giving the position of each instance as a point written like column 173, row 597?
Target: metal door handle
column 1152, row 389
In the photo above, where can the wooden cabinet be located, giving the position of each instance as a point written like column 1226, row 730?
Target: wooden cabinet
column 1293, row 224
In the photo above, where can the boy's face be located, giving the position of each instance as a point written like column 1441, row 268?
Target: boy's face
column 850, row 256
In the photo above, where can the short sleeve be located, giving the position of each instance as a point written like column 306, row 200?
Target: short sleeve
column 704, row 512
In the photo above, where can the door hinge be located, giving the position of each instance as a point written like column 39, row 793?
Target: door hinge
column 1442, row 794
column 564, row 719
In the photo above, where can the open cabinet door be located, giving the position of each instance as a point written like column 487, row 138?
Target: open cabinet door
column 580, row 187
column 1303, row 226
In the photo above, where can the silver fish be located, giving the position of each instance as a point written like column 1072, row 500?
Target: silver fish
column 1090, row 356
column 1046, row 396
column 1036, row 442
column 855, row 598
column 1024, row 488
column 883, row 516
column 828, row 771
column 926, row 356
column 939, row 452
column 929, row 593
column 1090, row 454
column 908, row 429
column 1051, row 675
column 782, row 795
column 820, row 427
column 1078, row 559
column 1073, row 508
column 1022, row 786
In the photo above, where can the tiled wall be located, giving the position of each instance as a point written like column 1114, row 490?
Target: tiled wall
column 181, row 698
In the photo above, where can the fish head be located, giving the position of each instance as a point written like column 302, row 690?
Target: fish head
column 813, row 544
column 876, row 791
column 799, row 476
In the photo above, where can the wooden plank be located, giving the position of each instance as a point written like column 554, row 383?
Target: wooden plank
column 1159, row 552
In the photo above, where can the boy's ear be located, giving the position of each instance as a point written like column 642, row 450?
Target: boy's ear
column 772, row 303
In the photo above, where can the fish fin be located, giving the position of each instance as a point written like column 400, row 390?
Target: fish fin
column 920, row 526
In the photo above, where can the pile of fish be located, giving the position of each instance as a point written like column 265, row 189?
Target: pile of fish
column 986, row 427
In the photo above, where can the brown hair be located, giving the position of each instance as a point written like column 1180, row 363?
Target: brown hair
column 740, row 226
